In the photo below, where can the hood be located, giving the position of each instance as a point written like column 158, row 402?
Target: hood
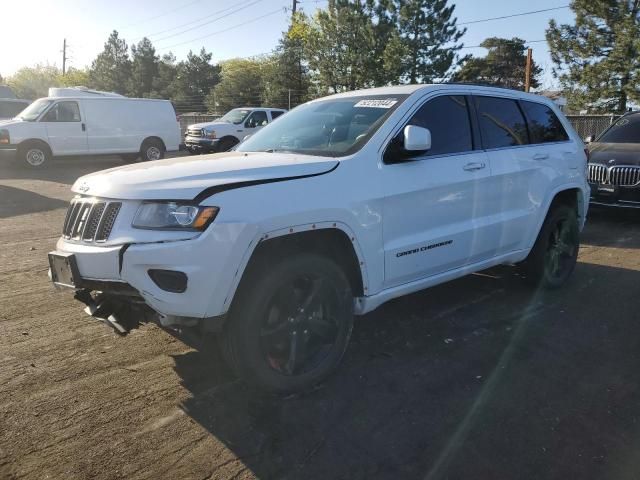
column 612, row 154
column 211, row 125
column 185, row 177
column 5, row 122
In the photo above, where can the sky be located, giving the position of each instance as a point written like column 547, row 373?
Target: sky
column 227, row 28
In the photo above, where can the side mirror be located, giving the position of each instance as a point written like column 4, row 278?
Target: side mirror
column 416, row 139
column 589, row 139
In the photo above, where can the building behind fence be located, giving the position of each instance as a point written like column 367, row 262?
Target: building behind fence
column 585, row 125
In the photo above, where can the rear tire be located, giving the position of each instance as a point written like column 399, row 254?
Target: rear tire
column 290, row 324
column 34, row 155
column 553, row 257
column 152, row 149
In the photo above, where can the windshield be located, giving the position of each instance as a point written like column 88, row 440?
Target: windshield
column 331, row 128
column 625, row 130
column 237, row 115
column 33, row 111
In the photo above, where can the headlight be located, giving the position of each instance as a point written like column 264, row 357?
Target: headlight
column 174, row 216
column 210, row 134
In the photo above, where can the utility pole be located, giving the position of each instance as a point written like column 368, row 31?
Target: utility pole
column 64, row 56
column 527, row 71
column 294, row 7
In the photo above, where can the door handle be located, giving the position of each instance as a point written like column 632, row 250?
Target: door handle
column 469, row 167
column 541, row 156
column 84, row 127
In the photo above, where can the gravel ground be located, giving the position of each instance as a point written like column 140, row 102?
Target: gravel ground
column 480, row 378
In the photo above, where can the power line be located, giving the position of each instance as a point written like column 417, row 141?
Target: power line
column 176, row 27
column 279, row 10
column 513, row 15
column 163, row 14
column 526, row 41
column 209, row 21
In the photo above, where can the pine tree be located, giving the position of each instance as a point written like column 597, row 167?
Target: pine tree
column 289, row 78
column 340, row 45
column 195, row 77
column 111, row 69
column 504, row 65
column 596, row 58
column 430, row 37
column 144, row 68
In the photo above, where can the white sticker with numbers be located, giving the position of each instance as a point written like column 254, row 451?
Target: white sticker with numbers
column 386, row 103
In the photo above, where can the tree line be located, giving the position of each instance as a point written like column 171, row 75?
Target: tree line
column 354, row 44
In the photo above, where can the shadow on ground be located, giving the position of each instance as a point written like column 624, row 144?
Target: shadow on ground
column 626, row 221
column 479, row 378
column 15, row 201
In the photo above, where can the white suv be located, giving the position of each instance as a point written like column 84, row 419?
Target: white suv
column 343, row 204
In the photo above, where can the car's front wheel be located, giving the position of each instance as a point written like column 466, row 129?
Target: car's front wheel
column 34, row 155
column 555, row 253
column 291, row 323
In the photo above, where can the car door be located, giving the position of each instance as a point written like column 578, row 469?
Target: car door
column 66, row 129
column 521, row 164
column 255, row 122
column 435, row 214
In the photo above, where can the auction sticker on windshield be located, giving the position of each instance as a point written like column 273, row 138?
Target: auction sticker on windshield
column 387, row 103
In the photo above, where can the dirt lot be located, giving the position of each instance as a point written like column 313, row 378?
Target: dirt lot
column 480, row 378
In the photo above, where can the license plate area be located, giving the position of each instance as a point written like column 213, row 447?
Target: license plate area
column 64, row 269
column 607, row 189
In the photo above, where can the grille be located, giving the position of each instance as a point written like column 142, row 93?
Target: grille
column 597, row 173
column 194, row 132
column 621, row 176
column 90, row 220
column 624, row 176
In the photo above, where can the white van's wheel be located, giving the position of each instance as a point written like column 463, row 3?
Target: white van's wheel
column 152, row 150
column 34, row 155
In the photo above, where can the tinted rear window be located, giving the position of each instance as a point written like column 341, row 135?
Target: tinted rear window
column 625, row 130
column 544, row 125
column 275, row 114
column 501, row 122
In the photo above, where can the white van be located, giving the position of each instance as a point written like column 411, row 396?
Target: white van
column 78, row 121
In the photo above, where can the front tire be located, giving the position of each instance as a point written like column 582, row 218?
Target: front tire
column 34, row 155
column 227, row 144
column 554, row 255
column 290, row 324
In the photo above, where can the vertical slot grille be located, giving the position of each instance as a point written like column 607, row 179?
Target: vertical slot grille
column 90, row 220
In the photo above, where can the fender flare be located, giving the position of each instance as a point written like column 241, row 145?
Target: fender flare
column 281, row 232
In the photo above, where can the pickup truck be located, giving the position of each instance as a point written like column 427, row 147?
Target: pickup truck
column 229, row 130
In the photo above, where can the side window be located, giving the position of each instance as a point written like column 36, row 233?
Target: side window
column 544, row 125
column 275, row 114
column 257, row 119
column 501, row 122
column 63, row 112
column 447, row 118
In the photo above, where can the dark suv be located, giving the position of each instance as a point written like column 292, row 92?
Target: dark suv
column 614, row 164
column 10, row 107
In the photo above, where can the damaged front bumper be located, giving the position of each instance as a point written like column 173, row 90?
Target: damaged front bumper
column 116, row 303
